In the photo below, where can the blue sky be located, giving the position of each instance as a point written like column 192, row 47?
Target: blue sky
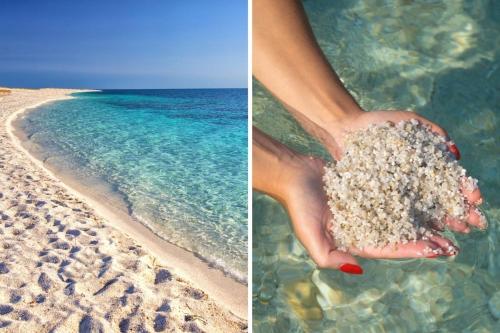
column 123, row 44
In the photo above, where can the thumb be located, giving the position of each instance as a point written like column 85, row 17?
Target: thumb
column 343, row 261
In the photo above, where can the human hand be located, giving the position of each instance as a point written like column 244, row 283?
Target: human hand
column 293, row 67
column 307, row 207
column 297, row 182
column 334, row 140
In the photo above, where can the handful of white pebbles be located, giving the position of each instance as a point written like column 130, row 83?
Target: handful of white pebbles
column 392, row 184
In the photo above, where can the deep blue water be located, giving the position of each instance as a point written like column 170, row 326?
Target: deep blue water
column 177, row 159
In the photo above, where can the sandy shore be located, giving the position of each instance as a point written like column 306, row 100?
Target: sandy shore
column 70, row 263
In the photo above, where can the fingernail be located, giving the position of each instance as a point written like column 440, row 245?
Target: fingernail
column 351, row 269
column 454, row 150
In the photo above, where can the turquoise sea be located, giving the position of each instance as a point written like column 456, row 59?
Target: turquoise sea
column 441, row 59
column 175, row 160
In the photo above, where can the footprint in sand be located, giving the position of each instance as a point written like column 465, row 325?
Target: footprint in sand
column 161, row 321
column 90, row 232
column 59, row 225
column 30, row 225
column 39, row 299
column 15, row 297
column 106, row 264
column 90, row 325
column 5, row 309
column 195, row 293
column 44, row 282
column 162, row 275
column 22, row 315
column 124, row 325
column 73, row 232
column 40, row 203
column 4, row 323
column 61, row 245
column 3, row 268
column 69, row 290
column 52, row 239
column 191, row 327
column 75, row 249
column 164, row 307
column 51, row 259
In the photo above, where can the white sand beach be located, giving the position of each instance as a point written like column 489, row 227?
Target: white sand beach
column 71, row 263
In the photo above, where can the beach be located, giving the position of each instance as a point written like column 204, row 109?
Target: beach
column 70, row 262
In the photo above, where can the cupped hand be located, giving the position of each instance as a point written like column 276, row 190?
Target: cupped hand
column 307, row 206
column 360, row 120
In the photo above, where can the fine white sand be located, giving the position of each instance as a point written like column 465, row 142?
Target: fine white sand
column 71, row 263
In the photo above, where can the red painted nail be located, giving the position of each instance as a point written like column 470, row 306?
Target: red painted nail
column 454, row 150
column 351, row 269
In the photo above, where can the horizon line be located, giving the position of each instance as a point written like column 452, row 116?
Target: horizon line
column 83, row 88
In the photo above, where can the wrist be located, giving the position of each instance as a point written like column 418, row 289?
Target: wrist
column 329, row 101
column 273, row 165
column 286, row 170
column 335, row 111
column 329, row 124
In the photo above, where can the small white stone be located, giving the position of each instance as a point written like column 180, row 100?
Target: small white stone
column 391, row 183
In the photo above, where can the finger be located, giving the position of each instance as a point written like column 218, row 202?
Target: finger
column 441, row 131
column 336, row 259
column 418, row 249
column 456, row 225
column 435, row 128
column 476, row 218
column 326, row 256
column 453, row 149
column 471, row 191
column 446, row 245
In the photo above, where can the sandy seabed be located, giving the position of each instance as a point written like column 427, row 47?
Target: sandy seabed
column 66, row 266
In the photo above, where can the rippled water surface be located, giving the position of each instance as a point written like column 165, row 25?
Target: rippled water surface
column 176, row 158
column 442, row 59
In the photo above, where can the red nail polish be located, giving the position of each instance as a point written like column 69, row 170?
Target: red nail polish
column 454, row 150
column 351, row 269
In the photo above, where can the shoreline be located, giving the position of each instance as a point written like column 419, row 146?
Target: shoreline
column 111, row 204
column 224, row 290
column 105, row 197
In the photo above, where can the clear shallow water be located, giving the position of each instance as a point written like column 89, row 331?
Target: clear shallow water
column 176, row 158
column 442, row 59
